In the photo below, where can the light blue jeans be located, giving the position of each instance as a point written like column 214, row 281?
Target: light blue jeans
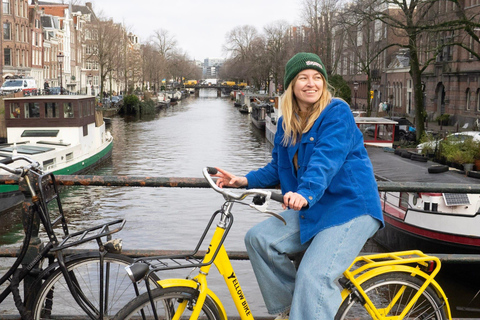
column 311, row 291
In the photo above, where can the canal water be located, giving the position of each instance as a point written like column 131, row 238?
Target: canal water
column 178, row 142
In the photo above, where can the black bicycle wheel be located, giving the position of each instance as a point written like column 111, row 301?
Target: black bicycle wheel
column 55, row 300
column 383, row 288
column 167, row 302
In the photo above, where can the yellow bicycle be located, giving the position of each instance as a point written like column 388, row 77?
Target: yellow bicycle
column 397, row 285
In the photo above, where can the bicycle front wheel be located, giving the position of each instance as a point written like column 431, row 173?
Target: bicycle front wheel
column 382, row 290
column 56, row 301
column 169, row 303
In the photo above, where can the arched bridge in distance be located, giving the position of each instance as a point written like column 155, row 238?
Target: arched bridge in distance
column 219, row 87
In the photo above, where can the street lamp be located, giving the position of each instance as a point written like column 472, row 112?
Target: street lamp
column 90, row 77
column 355, row 89
column 60, row 57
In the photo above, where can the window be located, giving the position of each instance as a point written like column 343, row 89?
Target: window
column 14, row 111
column 6, row 6
column 69, row 157
column 7, row 32
column 468, row 94
column 48, row 165
column 32, row 110
column 67, row 110
column 7, row 57
column 478, row 99
column 51, row 110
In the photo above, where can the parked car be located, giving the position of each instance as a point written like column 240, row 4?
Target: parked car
column 56, row 90
column 116, row 99
column 457, row 137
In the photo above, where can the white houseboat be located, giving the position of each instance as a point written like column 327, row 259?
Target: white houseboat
column 63, row 133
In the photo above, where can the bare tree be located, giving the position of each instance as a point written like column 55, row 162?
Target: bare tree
column 319, row 16
column 414, row 24
column 165, row 43
column 104, row 47
column 278, row 49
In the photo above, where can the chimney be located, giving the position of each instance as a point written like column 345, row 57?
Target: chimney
column 89, row 5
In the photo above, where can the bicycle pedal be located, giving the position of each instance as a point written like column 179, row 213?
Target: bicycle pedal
column 113, row 246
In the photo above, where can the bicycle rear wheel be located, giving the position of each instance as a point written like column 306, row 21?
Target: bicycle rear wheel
column 381, row 290
column 168, row 302
column 56, row 301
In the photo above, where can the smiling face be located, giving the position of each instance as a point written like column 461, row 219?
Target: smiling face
column 308, row 88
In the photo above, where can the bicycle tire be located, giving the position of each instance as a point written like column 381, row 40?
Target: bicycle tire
column 382, row 288
column 166, row 302
column 55, row 300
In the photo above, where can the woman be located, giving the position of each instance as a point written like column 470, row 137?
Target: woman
column 330, row 194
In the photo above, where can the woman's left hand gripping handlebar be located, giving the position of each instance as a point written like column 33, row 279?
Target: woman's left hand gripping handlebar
column 227, row 179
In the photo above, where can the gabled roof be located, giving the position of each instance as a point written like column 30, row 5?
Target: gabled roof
column 401, row 60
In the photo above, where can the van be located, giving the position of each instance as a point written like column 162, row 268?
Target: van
column 28, row 86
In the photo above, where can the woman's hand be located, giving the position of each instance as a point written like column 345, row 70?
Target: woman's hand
column 226, row 179
column 294, row 201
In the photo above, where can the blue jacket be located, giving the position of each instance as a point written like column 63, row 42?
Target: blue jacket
column 335, row 174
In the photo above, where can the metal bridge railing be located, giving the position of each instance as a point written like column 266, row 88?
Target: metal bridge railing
column 178, row 182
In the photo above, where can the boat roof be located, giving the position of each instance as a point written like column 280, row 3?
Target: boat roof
column 391, row 167
column 51, row 97
column 25, row 149
column 374, row 120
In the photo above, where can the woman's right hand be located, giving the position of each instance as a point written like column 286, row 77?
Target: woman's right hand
column 226, row 179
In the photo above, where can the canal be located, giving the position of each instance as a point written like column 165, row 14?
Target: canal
column 178, row 142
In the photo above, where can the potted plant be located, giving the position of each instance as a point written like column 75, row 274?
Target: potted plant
column 462, row 153
column 443, row 119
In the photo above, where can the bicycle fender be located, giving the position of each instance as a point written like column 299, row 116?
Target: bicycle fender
column 169, row 283
column 401, row 268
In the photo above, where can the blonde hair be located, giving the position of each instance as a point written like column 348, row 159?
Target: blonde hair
column 294, row 122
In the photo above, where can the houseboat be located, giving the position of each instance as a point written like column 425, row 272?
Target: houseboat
column 63, row 133
column 271, row 119
column 259, row 112
column 379, row 132
column 429, row 221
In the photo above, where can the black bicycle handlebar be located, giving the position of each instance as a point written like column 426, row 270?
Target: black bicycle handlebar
column 20, row 170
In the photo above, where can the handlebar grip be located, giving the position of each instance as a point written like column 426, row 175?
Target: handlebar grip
column 7, row 160
column 212, row 170
column 277, row 197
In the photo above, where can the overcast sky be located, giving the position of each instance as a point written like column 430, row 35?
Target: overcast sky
column 199, row 26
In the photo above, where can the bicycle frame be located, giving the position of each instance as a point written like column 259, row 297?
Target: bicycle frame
column 222, row 262
column 39, row 189
column 410, row 262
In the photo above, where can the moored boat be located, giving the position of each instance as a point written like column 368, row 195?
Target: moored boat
column 429, row 221
column 271, row 120
column 259, row 111
column 65, row 134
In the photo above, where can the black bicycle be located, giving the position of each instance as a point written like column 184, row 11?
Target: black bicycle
column 92, row 284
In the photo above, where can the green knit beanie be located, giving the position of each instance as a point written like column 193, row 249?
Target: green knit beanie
column 302, row 61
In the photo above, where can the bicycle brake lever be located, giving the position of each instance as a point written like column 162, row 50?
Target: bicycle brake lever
column 263, row 209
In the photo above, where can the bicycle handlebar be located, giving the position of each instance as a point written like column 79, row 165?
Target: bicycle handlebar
column 20, row 170
column 229, row 195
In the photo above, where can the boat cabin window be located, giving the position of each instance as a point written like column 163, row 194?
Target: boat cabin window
column 32, row 109
column 49, row 164
column 69, row 157
column 51, row 110
column 40, row 133
column 14, row 111
column 67, row 110
column 80, row 113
